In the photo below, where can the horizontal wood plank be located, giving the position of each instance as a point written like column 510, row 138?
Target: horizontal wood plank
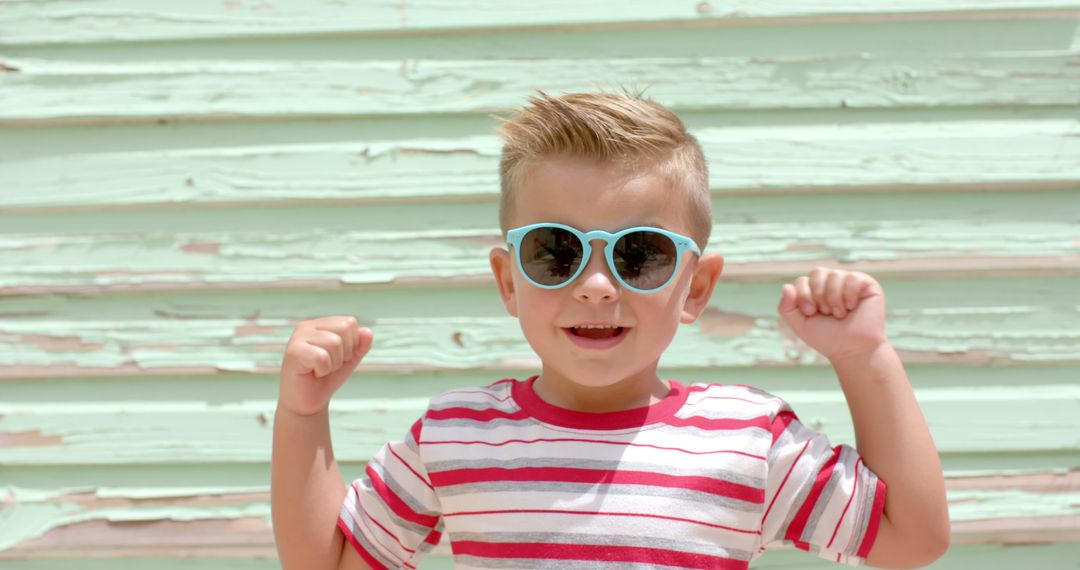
column 994, row 419
column 742, row 159
column 130, row 523
column 199, row 333
column 952, row 32
column 298, row 258
column 36, row 90
column 68, row 21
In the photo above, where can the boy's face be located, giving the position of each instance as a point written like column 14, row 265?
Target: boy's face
column 588, row 196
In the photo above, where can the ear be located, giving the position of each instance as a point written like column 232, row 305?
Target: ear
column 504, row 278
column 706, row 274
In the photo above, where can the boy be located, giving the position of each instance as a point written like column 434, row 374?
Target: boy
column 597, row 462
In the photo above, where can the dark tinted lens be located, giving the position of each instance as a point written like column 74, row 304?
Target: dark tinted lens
column 550, row 256
column 645, row 259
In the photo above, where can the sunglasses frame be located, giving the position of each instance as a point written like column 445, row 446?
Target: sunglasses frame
column 682, row 244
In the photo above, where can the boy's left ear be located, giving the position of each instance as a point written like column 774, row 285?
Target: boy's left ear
column 706, row 274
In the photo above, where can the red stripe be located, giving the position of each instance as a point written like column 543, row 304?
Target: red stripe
column 371, row 561
column 599, row 513
column 415, row 430
column 484, row 415
column 780, row 424
column 433, row 537
column 598, row 552
column 786, row 475
column 717, row 424
column 409, row 467
column 795, row 529
column 854, row 490
column 396, row 504
column 384, row 529
column 581, row 440
column 571, row 475
column 875, row 519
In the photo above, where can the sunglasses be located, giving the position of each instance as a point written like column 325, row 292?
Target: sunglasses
column 644, row 259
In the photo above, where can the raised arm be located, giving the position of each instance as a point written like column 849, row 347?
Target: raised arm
column 306, row 487
column 895, row 443
column 841, row 314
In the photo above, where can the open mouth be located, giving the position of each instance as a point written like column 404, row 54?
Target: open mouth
column 596, row 332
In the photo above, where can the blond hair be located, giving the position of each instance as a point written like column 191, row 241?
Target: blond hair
column 625, row 130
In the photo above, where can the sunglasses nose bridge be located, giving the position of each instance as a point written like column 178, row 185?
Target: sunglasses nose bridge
column 597, row 255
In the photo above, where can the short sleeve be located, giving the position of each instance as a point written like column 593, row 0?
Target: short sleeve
column 391, row 514
column 818, row 497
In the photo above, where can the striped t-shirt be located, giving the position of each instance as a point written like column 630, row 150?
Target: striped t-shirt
column 709, row 477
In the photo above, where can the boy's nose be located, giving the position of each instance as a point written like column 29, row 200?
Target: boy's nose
column 596, row 282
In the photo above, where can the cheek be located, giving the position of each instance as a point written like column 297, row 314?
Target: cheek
column 535, row 306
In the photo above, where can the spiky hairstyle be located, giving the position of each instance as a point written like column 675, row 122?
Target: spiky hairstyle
column 621, row 129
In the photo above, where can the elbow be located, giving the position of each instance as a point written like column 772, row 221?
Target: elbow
column 941, row 545
column 929, row 549
column 912, row 551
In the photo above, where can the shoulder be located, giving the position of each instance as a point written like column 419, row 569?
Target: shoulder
column 734, row 399
column 495, row 395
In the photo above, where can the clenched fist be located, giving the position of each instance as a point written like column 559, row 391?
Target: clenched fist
column 318, row 359
column 838, row 313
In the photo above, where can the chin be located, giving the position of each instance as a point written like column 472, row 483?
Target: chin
column 596, row 375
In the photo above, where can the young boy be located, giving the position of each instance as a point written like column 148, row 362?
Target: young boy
column 597, row 462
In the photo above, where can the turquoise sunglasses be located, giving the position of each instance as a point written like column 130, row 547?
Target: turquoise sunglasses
column 644, row 259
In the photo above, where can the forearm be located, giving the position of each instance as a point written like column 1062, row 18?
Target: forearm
column 895, row 443
column 306, row 492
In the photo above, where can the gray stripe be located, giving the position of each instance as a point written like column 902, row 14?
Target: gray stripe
column 378, row 464
column 395, row 520
column 824, row 499
column 371, row 549
column 544, row 564
column 868, row 483
column 805, row 485
column 755, row 442
column 705, row 548
column 597, row 465
column 587, row 489
column 761, row 437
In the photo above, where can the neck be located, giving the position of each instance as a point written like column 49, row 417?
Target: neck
column 640, row 390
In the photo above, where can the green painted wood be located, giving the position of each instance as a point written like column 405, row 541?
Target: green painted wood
column 1034, row 418
column 72, row 139
column 67, row 21
column 196, row 479
column 1055, row 208
column 929, row 320
column 45, row 89
column 762, row 158
column 968, row 31
column 225, row 388
column 35, row 514
column 152, row 178
column 317, row 256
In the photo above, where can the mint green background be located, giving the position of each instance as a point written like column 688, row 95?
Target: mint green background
column 180, row 183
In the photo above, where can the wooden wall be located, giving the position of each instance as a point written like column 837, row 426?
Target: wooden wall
column 181, row 182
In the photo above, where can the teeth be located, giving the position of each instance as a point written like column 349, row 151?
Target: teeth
column 596, row 327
